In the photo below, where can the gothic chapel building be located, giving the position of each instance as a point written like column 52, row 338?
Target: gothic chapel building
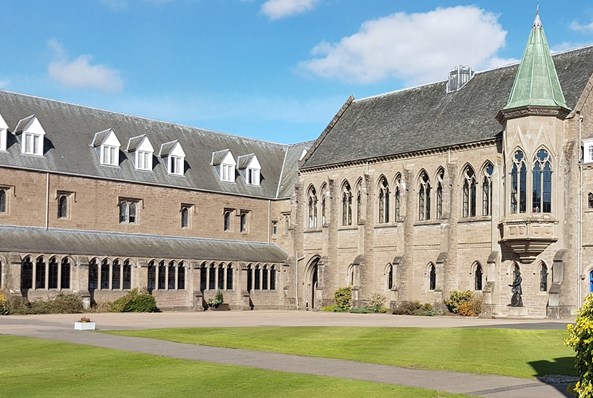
column 456, row 185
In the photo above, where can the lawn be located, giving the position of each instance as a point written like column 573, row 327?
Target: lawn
column 35, row 368
column 507, row 352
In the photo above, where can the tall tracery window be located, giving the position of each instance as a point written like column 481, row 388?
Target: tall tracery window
column 389, row 274
column 439, row 200
column 469, row 192
column 383, row 201
column 128, row 212
column 53, row 273
column 226, row 220
column 65, row 274
column 115, row 275
column 589, row 200
column 127, row 275
column 424, row 197
column 93, row 274
column 104, row 274
column 542, row 182
column 324, row 194
column 346, row 205
column 487, row 190
column 27, row 273
column 519, row 183
column 543, row 278
column 358, row 203
column 397, row 199
column 312, row 208
column 40, row 270
column 478, row 277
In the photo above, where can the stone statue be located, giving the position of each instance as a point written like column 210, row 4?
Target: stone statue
column 516, row 300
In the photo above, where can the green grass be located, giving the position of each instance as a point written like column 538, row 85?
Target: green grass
column 41, row 368
column 507, row 352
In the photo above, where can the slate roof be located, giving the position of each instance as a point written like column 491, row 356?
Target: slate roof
column 85, row 243
column 426, row 117
column 70, row 129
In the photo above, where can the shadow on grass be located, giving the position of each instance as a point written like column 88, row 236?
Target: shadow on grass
column 558, row 373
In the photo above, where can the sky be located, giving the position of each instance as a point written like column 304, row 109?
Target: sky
column 275, row 70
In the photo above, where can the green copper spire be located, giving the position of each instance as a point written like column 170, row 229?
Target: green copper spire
column 536, row 83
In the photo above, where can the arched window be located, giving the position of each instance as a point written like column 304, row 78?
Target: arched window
column 487, row 190
column 203, row 277
column 40, row 273
column 212, row 277
column 53, row 273
column 273, row 278
column 383, row 201
column 346, row 205
column 127, row 275
column 542, row 182
column 151, row 279
column 63, row 206
column 590, row 200
column 312, row 208
column 220, row 279
column 478, row 277
column 543, row 278
column 104, row 275
column 249, row 278
column 264, row 279
column 257, row 278
column 432, row 277
column 324, row 194
column 181, row 276
column 424, row 197
column 93, row 274
column 65, row 281
column 2, row 200
column 439, row 201
column 358, row 203
column 162, row 276
column 519, row 183
column 469, row 192
column 243, row 222
column 115, row 275
column 389, row 274
column 184, row 216
column 171, row 274
column 133, row 213
column 27, row 273
column 229, row 277
column 226, row 221
column 397, row 198
column 591, row 282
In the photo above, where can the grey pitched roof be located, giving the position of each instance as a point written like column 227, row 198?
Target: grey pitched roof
column 243, row 161
column 290, row 170
column 100, row 137
column 22, row 124
column 134, row 142
column 427, row 117
column 71, row 128
column 218, row 157
column 76, row 243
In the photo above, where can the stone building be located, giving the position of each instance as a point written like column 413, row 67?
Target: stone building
column 458, row 185
column 455, row 186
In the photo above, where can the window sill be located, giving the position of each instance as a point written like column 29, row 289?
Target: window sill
column 385, row 226
column 474, row 219
column 312, row 230
column 348, row 228
column 429, row 222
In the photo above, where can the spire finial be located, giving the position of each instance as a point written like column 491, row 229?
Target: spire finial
column 537, row 22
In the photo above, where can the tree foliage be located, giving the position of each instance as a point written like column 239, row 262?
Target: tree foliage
column 581, row 340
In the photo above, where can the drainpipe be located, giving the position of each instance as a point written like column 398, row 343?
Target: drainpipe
column 580, row 219
column 47, row 201
column 296, row 279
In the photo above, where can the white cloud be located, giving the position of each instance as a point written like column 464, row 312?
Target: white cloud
column 416, row 48
column 81, row 73
column 277, row 9
column 588, row 28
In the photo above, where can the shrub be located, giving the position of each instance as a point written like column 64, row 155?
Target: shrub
column 471, row 307
column 456, row 298
column 329, row 308
column 135, row 301
column 362, row 310
column 217, row 300
column 63, row 303
column 377, row 303
column 3, row 304
column 343, row 299
column 581, row 339
column 414, row 308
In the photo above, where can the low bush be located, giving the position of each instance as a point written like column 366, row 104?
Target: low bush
column 343, row 299
column 471, row 307
column 362, row 310
column 217, row 300
column 135, row 301
column 377, row 303
column 414, row 308
column 330, row 308
column 62, row 303
column 456, row 298
column 3, row 304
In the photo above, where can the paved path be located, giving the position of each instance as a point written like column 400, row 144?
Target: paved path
column 59, row 327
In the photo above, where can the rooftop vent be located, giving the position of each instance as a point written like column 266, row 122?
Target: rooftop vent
column 458, row 77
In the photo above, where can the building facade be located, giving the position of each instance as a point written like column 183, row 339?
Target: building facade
column 483, row 182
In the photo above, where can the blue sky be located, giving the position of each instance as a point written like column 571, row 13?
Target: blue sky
column 276, row 70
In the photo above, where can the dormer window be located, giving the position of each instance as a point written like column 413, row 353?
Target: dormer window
column 250, row 168
column 108, row 145
column 225, row 162
column 175, row 156
column 32, row 135
column 142, row 149
column 3, row 134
